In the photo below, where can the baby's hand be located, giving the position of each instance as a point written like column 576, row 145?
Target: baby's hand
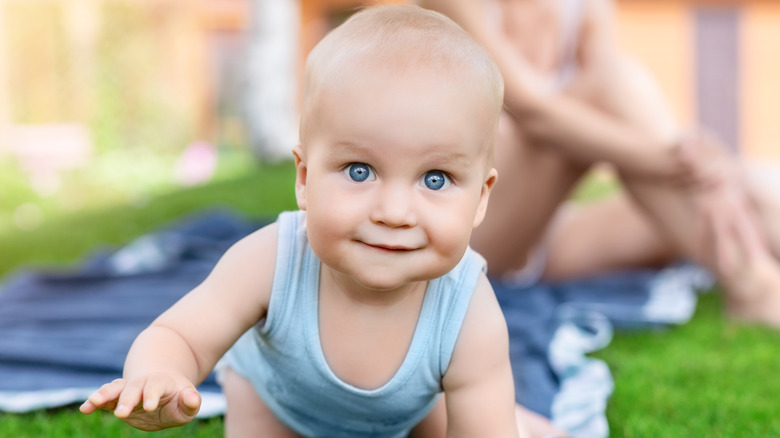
column 152, row 402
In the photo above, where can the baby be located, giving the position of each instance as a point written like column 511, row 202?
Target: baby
column 353, row 315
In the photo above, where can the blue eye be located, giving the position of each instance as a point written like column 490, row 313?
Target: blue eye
column 436, row 180
column 359, row 172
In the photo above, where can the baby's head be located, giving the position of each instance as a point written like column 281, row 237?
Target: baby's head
column 398, row 41
column 399, row 121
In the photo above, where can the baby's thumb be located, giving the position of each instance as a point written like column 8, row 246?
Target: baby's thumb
column 189, row 401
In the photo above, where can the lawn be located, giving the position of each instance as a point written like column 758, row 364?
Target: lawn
column 707, row 378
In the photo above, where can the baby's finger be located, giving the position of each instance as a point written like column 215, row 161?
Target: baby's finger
column 130, row 398
column 105, row 397
column 152, row 392
column 87, row 408
column 189, row 401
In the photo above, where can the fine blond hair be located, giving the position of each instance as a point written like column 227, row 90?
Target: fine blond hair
column 403, row 37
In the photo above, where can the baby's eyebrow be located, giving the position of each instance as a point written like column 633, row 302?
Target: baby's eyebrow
column 350, row 147
column 439, row 157
column 451, row 159
column 347, row 150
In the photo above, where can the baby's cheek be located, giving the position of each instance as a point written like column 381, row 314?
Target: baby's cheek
column 452, row 241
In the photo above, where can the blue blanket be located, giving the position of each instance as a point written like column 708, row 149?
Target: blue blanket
column 63, row 334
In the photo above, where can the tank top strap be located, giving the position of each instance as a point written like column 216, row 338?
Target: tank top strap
column 290, row 255
column 454, row 292
column 572, row 15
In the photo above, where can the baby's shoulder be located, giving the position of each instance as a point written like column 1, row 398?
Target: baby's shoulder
column 484, row 319
column 251, row 261
column 259, row 245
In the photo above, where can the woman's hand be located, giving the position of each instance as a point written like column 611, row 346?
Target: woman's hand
column 701, row 163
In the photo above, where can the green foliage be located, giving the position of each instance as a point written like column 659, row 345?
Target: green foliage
column 131, row 109
column 596, row 185
column 116, row 79
column 40, row 66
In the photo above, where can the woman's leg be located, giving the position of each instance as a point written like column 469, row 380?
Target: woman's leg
column 532, row 182
column 763, row 182
column 247, row 415
column 677, row 212
column 753, row 282
column 601, row 236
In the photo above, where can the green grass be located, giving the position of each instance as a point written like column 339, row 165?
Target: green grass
column 68, row 422
column 65, row 237
column 710, row 377
column 707, row 378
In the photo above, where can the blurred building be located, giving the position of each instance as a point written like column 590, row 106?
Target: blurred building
column 79, row 77
column 718, row 62
column 165, row 73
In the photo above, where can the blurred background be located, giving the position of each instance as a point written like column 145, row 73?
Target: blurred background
column 109, row 101
column 118, row 116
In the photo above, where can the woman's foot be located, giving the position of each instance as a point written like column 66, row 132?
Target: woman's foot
column 753, row 293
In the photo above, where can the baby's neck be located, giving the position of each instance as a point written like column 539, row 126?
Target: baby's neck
column 365, row 335
column 339, row 286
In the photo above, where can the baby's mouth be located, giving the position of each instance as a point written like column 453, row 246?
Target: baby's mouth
column 390, row 247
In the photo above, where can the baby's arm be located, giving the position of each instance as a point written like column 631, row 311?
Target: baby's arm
column 180, row 348
column 478, row 385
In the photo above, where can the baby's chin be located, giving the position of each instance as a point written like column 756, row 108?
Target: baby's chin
column 390, row 282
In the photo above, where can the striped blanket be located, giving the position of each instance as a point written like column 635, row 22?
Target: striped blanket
column 63, row 334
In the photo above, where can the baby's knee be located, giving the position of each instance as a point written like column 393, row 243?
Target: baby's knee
column 247, row 414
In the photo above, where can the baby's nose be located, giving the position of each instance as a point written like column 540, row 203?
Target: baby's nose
column 394, row 207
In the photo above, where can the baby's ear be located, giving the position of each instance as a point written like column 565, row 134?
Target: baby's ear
column 484, row 196
column 300, row 176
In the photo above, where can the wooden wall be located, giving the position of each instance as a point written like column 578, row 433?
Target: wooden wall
column 760, row 104
column 663, row 35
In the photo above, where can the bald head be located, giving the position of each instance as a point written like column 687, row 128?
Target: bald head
column 401, row 39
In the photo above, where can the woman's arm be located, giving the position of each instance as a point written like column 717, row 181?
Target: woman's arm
column 579, row 130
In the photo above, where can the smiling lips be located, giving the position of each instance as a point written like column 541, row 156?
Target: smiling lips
column 390, row 248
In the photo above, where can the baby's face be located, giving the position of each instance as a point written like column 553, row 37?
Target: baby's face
column 396, row 174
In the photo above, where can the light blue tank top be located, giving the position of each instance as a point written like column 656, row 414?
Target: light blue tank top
column 282, row 355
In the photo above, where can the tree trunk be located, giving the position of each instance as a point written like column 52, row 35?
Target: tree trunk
column 270, row 98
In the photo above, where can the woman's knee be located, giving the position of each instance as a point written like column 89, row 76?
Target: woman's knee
column 616, row 90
